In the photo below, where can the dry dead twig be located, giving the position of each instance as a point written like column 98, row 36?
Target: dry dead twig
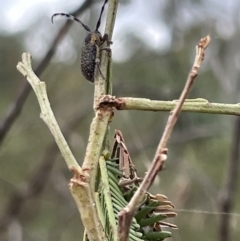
column 126, row 215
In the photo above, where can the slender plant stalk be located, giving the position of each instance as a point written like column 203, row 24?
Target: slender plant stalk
column 100, row 82
column 47, row 115
column 198, row 105
column 98, row 130
column 108, row 58
column 190, row 105
column 83, row 196
column 102, row 117
column 126, row 215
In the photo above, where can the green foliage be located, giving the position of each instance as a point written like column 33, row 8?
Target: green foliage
column 113, row 198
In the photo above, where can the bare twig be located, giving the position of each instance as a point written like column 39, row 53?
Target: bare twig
column 16, row 106
column 47, row 115
column 229, row 189
column 190, row 105
column 100, row 82
column 102, row 117
column 98, row 129
column 83, row 196
column 82, row 185
column 126, row 215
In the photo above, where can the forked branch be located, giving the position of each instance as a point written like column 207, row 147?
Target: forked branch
column 82, row 185
column 126, row 215
column 79, row 184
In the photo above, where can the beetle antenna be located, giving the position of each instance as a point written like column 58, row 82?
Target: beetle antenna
column 99, row 20
column 70, row 17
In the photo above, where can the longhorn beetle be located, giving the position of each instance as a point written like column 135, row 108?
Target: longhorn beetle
column 91, row 50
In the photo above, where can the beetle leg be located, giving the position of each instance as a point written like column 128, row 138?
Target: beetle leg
column 107, row 49
column 105, row 38
column 97, row 61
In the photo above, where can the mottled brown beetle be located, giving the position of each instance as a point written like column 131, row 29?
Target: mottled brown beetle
column 91, row 50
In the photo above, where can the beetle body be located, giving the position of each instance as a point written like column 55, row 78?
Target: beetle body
column 90, row 54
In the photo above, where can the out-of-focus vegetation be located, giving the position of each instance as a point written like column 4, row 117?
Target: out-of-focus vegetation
column 199, row 148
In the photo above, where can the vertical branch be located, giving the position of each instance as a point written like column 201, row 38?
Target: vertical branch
column 105, row 87
column 83, row 196
column 83, row 183
column 98, row 129
column 99, row 124
column 229, row 189
column 112, row 12
column 126, row 215
column 100, row 82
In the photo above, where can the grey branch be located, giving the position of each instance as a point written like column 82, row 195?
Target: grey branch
column 47, row 115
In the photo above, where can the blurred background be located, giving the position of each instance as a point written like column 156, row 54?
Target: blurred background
column 153, row 51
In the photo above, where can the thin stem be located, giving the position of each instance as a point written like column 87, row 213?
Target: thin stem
column 190, row 105
column 47, row 115
column 98, row 129
column 100, row 82
column 102, row 117
column 83, row 196
column 126, row 215
column 177, row 110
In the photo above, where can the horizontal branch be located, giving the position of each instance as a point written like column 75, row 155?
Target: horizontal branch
column 198, row 105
